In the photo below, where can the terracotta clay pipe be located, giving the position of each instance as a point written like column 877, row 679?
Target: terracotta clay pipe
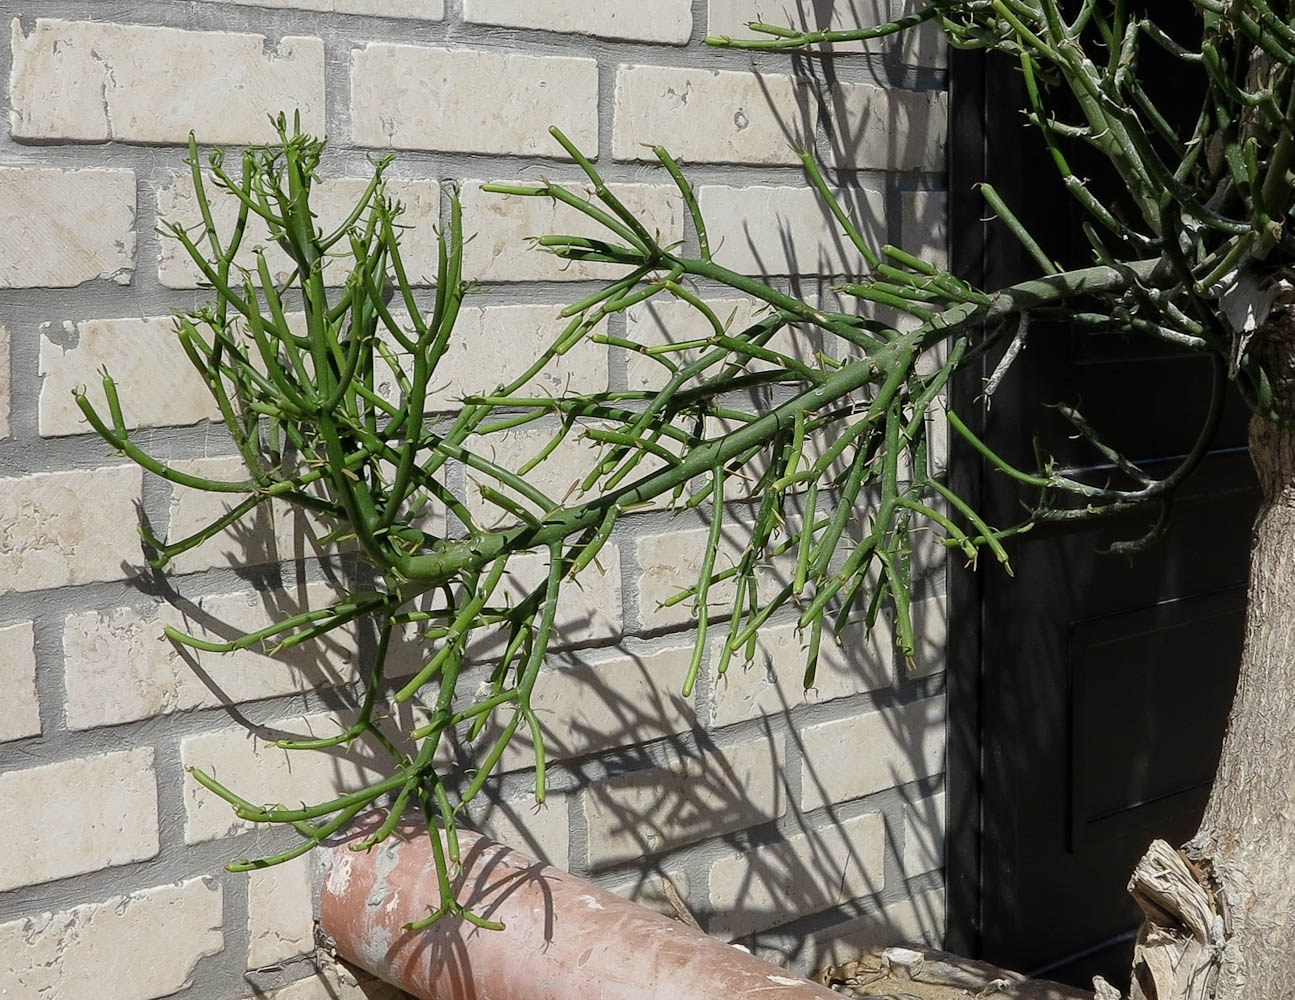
column 564, row 938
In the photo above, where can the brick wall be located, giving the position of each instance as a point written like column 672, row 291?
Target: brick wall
column 804, row 825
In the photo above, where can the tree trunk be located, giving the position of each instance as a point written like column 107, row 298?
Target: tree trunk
column 1221, row 913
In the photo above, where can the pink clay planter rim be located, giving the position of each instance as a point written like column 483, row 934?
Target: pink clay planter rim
column 565, row 938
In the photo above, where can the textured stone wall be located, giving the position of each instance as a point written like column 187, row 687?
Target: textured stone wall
column 803, row 824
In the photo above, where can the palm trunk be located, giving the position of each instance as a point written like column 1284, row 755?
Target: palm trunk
column 1221, row 913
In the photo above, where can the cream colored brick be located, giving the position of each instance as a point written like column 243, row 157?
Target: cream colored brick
column 804, row 874
column 924, row 46
column 856, row 756
column 923, row 225
column 668, row 21
column 556, row 477
column 672, row 321
column 596, row 707
column 669, row 563
column 924, row 833
column 95, row 81
column 121, row 668
column 915, row 921
column 589, row 608
column 63, row 528
column 79, row 816
column 711, row 116
column 648, row 890
column 931, row 632
column 133, row 351
column 885, row 128
column 21, row 716
column 134, row 947
column 250, row 764
column 426, row 10
column 541, row 831
column 59, row 228
column 492, row 345
column 471, row 101
column 332, row 199
column 695, row 798
column 730, row 17
column 503, row 224
column 773, row 683
column 275, row 532
column 788, row 230
column 280, row 915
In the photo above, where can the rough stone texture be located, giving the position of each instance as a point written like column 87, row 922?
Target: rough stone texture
column 504, row 223
column 426, row 10
column 134, row 947
column 275, row 532
column 668, row 563
column 133, row 351
column 79, row 816
column 92, row 82
column 931, row 632
column 648, row 890
column 21, row 716
column 121, row 668
column 332, row 979
column 879, row 128
column 493, row 345
column 595, row 707
column 773, row 683
column 849, row 758
column 787, row 230
column 693, row 798
column 711, row 116
column 61, row 528
column 461, row 100
column 668, row 21
column 806, row 873
column 249, row 762
column 59, row 228
column 280, row 915
column 333, row 198
column 924, row 827
column 538, row 830
column 918, row 920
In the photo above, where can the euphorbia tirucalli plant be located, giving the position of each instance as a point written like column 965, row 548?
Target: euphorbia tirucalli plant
column 829, row 456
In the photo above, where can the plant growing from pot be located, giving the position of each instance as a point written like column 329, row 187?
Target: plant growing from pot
column 831, row 456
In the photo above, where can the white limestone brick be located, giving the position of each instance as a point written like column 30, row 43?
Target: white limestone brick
column 773, row 683
column 280, row 914
column 731, row 17
column 94, row 81
column 21, row 716
column 668, row 21
column 59, row 228
column 540, row 830
column 425, row 10
column 156, row 383
column 886, row 128
column 803, row 874
column 693, row 798
column 79, row 816
column 852, row 757
column 504, row 224
column 250, row 763
column 64, row 528
column 332, row 200
column 133, row 947
column 788, row 230
column 711, row 116
column 4, row 382
column 917, row 921
column 121, row 668
column 471, row 101
column 924, row 833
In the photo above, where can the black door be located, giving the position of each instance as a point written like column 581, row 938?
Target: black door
column 1080, row 687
